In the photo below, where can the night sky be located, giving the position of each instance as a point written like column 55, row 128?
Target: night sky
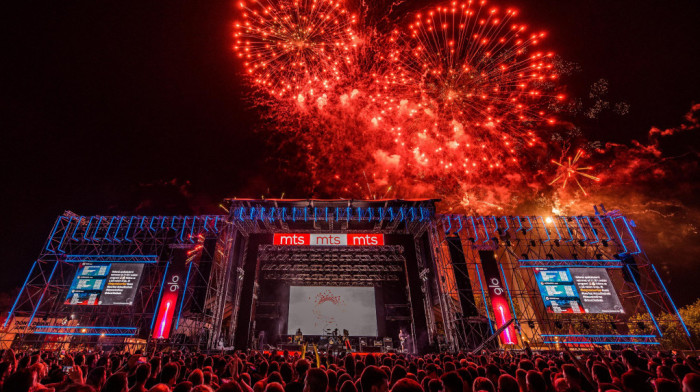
column 118, row 107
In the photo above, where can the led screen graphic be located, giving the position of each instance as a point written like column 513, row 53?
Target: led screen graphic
column 577, row 290
column 317, row 309
column 105, row 284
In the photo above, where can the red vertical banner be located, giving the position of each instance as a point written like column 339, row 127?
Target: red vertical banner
column 169, row 301
column 499, row 298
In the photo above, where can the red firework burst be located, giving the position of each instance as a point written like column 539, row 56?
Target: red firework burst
column 447, row 107
column 475, row 65
column 571, row 169
column 288, row 45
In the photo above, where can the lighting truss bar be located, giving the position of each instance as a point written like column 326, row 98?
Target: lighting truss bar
column 117, row 229
column 675, row 309
column 306, row 214
column 570, row 263
column 641, row 295
column 111, row 258
column 600, row 336
column 78, row 330
column 630, row 342
column 84, row 333
column 563, row 228
column 79, row 327
column 563, row 260
column 570, row 266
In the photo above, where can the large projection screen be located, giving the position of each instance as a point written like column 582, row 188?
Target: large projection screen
column 105, row 284
column 316, row 309
column 577, row 290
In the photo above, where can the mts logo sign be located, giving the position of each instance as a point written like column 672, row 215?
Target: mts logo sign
column 307, row 239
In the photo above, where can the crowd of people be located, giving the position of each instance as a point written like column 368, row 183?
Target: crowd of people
column 508, row 371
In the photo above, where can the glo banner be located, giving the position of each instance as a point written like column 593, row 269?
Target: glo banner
column 175, row 280
column 498, row 295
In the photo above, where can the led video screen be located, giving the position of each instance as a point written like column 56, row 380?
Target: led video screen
column 105, row 284
column 577, row 290
column 318, row 309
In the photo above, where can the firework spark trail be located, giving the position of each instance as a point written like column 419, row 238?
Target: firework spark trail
column 571, row 169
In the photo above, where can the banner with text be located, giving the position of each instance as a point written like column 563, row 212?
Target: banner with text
column 497, row 293
column 315, row 239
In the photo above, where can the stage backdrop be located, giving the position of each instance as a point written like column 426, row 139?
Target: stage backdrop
column 314, row 309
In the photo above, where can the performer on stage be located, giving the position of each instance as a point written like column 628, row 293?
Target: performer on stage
column 261, row 340
column 298, row 337
column 346, row 338
column 406, row 341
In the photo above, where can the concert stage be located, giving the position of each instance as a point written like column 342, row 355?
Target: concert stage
column 392, row 273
